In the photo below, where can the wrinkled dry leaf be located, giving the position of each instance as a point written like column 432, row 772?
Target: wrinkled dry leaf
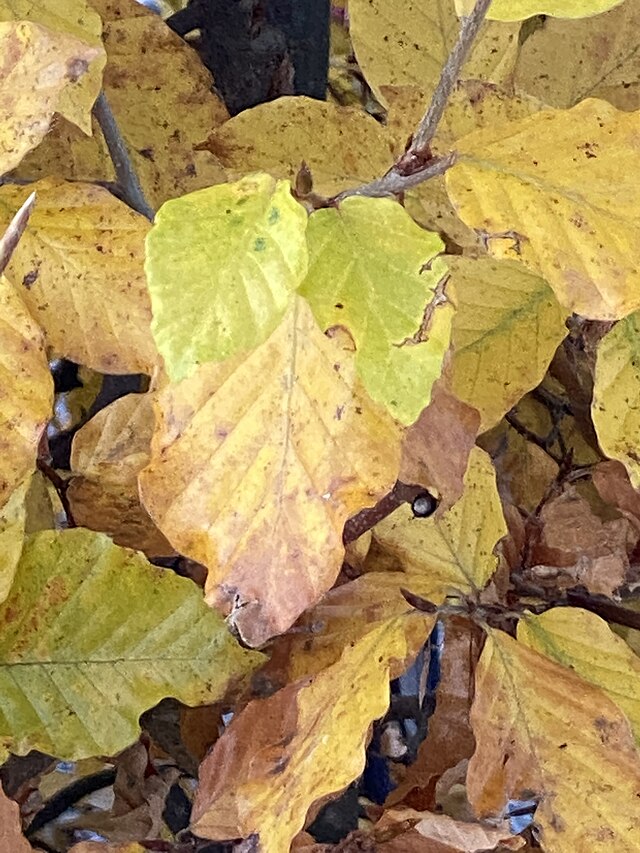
column 425, row 832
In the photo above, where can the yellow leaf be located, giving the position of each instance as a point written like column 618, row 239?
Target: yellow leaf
column 542, row 731
column 584, row 643
column 12, row 525
column 344, row 616
column 92, row 635
column 506, row 328
column 373, row 270
column 281, row 754
column 161, row 97
column 239, row 252
column 257, row 463
column 518, row 10
column 405, row 43
column 453, row 551
column 79, row 267
column 616, row 395
column 107, row 455
column 555, row 191
column 278, row 136
column 69, row 18
column 26, row 390
column 564, row 62
column 39, row 67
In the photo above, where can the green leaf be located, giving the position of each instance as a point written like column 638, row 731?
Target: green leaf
column 222, row 264
column 367, row 272
column 92, row 635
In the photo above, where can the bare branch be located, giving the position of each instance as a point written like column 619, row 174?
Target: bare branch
column 14, row 232
column 125, row 172
column 469, row 29
column 418, row 164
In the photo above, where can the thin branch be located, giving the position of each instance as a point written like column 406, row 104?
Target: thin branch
column 469, row 29
column 418, row 164
column 125, row 172
column 14, row 232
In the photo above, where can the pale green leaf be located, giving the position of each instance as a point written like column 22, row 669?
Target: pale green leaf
column 374, row 271
column 222, row 264
column 92, row 635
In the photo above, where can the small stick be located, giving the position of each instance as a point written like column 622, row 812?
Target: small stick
column 417, row 164
column 14, row 232
column 125, row 172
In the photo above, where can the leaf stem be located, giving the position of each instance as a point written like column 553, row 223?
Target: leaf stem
column 126, row 175
column 418, row 164
column 14, row 232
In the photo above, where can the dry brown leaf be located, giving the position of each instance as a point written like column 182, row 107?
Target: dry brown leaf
column 575, row 546
column 425, row 832
column 436, row 448
column 261, row 497
column 107, row 455
column 11, row 838
column 449, row 739
column 614, row 487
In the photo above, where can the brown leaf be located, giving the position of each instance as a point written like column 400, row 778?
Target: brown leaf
column 11, row 838
column 437, row 446
column 425, row 832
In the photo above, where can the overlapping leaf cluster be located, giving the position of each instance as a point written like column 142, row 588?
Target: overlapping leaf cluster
column 476, row 336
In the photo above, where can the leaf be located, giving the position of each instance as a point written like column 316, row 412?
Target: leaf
column 26, row 390
column 79, row 267
column 239, row 251
column 374, row 271
column 563, row 62
column 582, row 548
column 92, row 635
column 584, row 643
column 40, row 67
column 518, row 10
column 11, row 837
column 281, row 754
column 12, row 530
column 440, row 833
column 453, row 551
column 436, row 448
column 101, row 847
column 257, row 463
column 69, row 19
column 163, row 107
column 616, row 394
column 542, row 731
column 404, row 43
column 277, row 137
column 107, row 455
column 540, row 190
column 506, row 328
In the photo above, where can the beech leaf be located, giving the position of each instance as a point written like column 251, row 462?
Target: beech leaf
column 554, row 191
column 542, row 731
column 26, row 390
column 373, row 270
column 506, row 328
column 518, row 10
column 92, row 635
column 239, row 252
column 255, row 481
column 79, row 267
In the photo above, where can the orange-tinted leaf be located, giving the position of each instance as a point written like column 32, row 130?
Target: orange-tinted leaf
column 11, row 838
column 256, row 464
column 281, row 754
column 107, row 455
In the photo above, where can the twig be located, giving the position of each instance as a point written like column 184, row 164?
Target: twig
column 469, row 29
column 14, row 232
column 125, row 172
column 60, row 485
column 69, row 796
column 418, row 164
